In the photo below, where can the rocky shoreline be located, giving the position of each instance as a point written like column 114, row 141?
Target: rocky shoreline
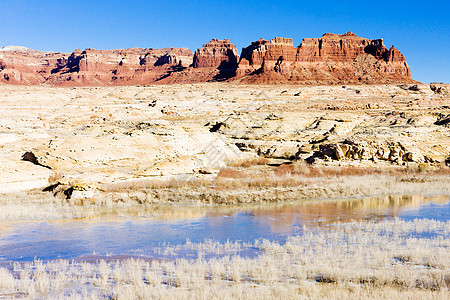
column 322, row 188
column 35, row 203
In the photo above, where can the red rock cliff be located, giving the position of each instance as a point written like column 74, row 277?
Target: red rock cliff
column 274, row 55
column 120, row 67
column 330, row 59
column 215, row 54
column 20, row 65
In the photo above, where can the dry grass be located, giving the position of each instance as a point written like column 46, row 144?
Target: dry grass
column 170, row 183
column 231, row 173
column 311, row 172
column 303, row 169
column 259, row 188
column 390, row 260
column 249, row 162
column 258, row 182
column 287, row 175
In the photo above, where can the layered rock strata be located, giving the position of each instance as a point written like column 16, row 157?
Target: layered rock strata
column 330, row 59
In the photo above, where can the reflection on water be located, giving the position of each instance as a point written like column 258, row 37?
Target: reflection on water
column 138, row 230
column 317, row 213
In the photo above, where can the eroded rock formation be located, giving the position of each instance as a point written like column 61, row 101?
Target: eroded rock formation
column 216, row 54
column 330, row 59
column 2, row 65
column 20, row 65
column 123, row 135
column 120, row 67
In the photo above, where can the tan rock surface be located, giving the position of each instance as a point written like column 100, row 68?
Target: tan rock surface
column 92, row 136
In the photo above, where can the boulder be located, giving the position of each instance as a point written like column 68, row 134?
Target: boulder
column 413, row 156
column 443, row 119
column 362, row 150
column 440, row 88
column 334, row 151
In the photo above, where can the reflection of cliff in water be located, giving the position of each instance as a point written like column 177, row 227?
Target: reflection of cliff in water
column 301, row 211
column 331, row 210
column 138, row 230
column 283, row 217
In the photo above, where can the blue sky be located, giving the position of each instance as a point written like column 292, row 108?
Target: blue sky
column 420, row 30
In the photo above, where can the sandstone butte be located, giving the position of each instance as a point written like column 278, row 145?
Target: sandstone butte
column 330, row 59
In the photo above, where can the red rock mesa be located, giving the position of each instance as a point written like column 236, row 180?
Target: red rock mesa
column 330, row 59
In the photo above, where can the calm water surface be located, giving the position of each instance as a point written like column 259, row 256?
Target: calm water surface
column 138, row 231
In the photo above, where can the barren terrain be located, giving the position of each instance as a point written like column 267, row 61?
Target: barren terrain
column 208, row 142
column 88, row 151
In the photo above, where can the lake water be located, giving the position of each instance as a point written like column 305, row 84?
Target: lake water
column 138, row 231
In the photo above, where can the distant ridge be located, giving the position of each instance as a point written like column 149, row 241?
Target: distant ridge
column 17, row 49
column 330, row 59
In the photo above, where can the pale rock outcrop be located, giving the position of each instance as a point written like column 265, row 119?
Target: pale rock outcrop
column 130, row 136
column 440, row 88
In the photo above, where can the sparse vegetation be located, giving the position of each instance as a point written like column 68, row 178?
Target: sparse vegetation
column 301, row 168
column 231, row 173
column 231, row 187
column 358, row 260
column 286, row 175
column 286, row 182
column 249, row 162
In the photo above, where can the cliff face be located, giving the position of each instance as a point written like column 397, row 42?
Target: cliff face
column 266, row 56
column 20, row 65
column 330, row 59
column 348, row 47
column 340, row 48
column 120, row 67
column 216, row 54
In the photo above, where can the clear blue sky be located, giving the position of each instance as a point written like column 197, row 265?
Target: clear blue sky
column 419, row 29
